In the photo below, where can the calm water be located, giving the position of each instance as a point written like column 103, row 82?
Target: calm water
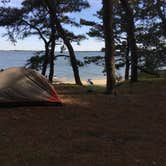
column 62, row 66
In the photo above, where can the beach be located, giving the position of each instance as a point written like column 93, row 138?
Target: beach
column 101, row 82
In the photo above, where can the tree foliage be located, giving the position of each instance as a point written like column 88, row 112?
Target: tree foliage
column 35, row 18
column 149, row 20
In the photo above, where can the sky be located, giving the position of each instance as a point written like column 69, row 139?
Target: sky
column 33, row 43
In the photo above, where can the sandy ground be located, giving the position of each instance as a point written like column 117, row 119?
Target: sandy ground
column 95, row 82
column 90, row 129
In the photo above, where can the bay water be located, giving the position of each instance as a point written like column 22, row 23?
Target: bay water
column 63, row 68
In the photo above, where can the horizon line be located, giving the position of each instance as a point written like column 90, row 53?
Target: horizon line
column 56, row 51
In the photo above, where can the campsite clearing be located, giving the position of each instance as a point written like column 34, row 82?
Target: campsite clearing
column 90, row 129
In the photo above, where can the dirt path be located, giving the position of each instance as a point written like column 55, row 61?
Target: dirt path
column 91, row 129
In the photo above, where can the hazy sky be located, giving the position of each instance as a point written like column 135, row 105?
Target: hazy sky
column 33, row 43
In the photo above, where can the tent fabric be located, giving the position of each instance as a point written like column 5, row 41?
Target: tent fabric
column 21, row 85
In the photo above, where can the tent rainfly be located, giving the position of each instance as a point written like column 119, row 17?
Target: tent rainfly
column 22, row 87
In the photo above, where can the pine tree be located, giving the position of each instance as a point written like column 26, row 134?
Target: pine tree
column 151, row 35
column 109, row 44
column 62, row 7
column 119, row 31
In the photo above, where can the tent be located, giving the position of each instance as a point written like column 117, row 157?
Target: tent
column 21, row 87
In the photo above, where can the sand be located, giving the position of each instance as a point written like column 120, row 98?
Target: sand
column 95, row 82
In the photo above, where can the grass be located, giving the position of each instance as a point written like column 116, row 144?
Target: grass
column 145, row 76
column 90, row 129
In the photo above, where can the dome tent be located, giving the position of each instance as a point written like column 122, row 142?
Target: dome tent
column 21, row 87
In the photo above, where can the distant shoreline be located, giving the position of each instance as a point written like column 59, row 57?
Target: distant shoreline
column 43, row 50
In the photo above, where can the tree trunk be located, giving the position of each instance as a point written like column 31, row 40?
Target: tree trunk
column 71, row 53
column 52, row 52
column 109, row 44
column 73, row 61
column 127, row 63
column 46, row 59
column 161, row 15
column 132, row 40
column 62, row 34
column 134, row 58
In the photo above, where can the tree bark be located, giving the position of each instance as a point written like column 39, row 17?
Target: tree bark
column 127, row 63
column 132, row 40
column 73, row 61
column 109, row 44
column 161, row 15
column 46, row 59
column 52, row 52
column 71, row 52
